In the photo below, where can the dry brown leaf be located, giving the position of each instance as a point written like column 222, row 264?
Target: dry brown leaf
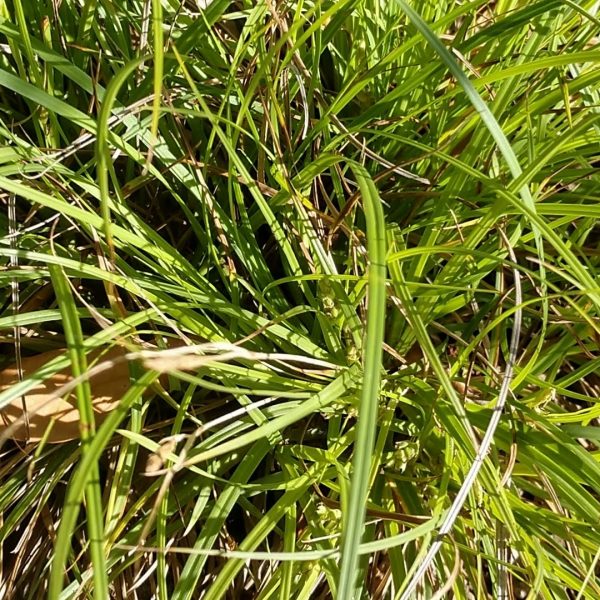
column 43, row 405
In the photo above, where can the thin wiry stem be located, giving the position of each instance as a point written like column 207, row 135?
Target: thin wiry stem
column 486, row 443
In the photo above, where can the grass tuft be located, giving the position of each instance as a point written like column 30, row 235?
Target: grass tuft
column 347, row 252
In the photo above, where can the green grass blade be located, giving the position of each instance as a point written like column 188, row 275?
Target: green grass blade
column 91, row 487
column 349, row 585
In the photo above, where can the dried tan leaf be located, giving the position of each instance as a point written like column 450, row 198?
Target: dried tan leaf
column 45, row 409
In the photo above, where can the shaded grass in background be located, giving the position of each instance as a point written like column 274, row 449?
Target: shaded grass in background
column 227, row 210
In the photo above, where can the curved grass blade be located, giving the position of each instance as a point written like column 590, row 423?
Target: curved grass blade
column 80, row 480
column 91, row 487
column 349, row 585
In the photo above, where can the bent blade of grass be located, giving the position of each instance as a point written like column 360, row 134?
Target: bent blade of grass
column 349, row 585
column 79, row 482
column 102, row 151
column 74, row 339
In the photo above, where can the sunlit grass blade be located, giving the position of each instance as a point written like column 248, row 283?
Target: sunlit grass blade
column 91, row 484
column 349, row 584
